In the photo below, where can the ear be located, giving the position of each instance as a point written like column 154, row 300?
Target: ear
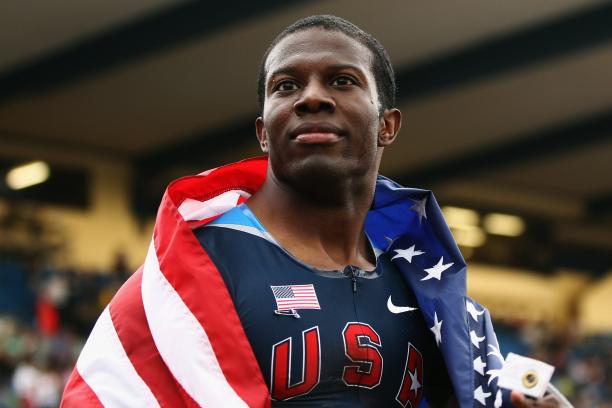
column 390, row 124
column 262, row 135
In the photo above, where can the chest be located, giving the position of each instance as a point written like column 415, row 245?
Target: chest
column 336, row 338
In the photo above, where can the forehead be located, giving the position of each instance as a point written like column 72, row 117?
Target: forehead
column 318, row 47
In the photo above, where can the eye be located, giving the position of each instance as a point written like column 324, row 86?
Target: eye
column 343, row 80
column 285, row 85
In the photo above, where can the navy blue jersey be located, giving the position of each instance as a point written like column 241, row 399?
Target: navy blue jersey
column 341, row 338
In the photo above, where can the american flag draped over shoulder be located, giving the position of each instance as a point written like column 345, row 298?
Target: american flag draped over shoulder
column 410, row 224
column 171, row 336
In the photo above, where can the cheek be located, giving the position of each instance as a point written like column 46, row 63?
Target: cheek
column 275, row 120
column 275, row 116
column 368, row 121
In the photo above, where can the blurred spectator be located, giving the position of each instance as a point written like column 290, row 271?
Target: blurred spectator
column 45, row 315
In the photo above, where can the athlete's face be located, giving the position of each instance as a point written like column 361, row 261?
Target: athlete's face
column 321, row 109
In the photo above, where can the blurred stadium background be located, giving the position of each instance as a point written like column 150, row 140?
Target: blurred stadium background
column 507, row 117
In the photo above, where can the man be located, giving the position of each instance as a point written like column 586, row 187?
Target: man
column 329, row 286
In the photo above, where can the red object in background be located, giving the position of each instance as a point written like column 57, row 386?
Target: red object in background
column 26, row 402
column 47, row 316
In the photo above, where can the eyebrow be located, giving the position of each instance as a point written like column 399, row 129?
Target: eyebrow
column 335, row 67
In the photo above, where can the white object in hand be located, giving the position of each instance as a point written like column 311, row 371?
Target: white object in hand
column 527, row 375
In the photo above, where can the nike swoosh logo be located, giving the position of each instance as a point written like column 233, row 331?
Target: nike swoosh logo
column 398, row 309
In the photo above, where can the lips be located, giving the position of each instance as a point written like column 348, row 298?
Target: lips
column 316, row 133
column 317, row 138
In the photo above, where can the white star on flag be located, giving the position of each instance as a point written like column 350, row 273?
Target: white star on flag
column 414, row 380
column 480, row 395
column 495, row 353
column 419, row 208
column 479, row 366
column 493, row 374
column 475, row 339
column 437, row 329
column 498, row 399
column 436, row 270
column 471, row 309
column 390, row 241
column 407, row 254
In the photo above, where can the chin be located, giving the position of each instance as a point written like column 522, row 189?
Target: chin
column 320, row 177
column 320, row 167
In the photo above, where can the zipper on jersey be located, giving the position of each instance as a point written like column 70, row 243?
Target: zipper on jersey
column 353, row 272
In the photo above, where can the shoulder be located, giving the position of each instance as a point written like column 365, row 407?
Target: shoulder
column 235, row 223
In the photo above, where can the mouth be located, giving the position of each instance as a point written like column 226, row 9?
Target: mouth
column 316, row 133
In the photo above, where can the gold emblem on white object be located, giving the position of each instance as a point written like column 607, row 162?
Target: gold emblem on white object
column 530, row 379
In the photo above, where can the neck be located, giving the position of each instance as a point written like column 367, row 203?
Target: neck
column 320, row 225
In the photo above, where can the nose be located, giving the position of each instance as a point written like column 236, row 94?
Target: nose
column 314, row 98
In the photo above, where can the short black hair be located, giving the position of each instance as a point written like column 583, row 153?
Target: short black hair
column 381, row 64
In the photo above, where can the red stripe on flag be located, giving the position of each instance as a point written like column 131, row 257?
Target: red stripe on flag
column 78, row 394
column 247, row 175
column 191, row 272
column 128, row 316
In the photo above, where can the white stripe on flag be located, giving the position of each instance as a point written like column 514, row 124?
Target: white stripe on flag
column 194, row 210
column 182, row 342
column 106, row 368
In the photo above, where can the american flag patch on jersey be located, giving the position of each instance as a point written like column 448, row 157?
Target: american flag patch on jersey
column 292, row 297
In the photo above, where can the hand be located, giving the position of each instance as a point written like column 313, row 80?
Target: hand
column 547, row 401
